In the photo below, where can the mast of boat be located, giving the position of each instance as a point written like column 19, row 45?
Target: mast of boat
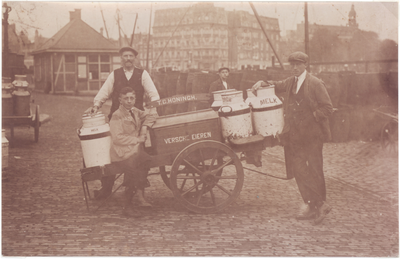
column 306, row 35
column 119, row 28
column 265, row 33
column 133, row 33
column 104, row 21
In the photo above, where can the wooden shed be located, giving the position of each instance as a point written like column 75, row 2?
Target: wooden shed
column 76, row 59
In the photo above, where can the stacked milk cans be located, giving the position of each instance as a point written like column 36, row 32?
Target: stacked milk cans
column 260, row 114
column 16, row 97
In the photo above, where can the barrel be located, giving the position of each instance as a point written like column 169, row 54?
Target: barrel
column 7, row 99
column 95, row 140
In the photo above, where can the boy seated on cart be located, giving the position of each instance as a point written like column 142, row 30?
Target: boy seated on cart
column 128, row 128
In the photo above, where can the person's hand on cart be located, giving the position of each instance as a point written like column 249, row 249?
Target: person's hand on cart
column 260, row 84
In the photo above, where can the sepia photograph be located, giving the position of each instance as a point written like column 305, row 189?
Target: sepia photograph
column 200, row 129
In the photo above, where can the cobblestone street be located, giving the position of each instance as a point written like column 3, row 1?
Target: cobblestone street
column 44, row 213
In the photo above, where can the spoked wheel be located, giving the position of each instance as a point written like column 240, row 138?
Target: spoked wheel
column 389, row 136
column 206, row 176
column 36, row 123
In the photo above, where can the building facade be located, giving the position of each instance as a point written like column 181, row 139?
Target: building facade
column 76, row 59
column 209, row 37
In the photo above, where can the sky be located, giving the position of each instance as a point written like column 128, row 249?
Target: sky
column 49, row 17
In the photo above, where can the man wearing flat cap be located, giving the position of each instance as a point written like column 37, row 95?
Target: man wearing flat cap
column 307, row 106
column 221, row 83
column 126, row 76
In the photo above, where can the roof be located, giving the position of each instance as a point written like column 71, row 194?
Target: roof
column 77, row 36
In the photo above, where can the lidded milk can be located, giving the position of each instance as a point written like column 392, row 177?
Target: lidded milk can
column 267, row 111
column 235, row 116
column 95, row 140
column 218, row 98
column 6, row 97
column 22, row 97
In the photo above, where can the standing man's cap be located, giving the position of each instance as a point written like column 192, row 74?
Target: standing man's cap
column 127, row 48
column 298, row 56
column 223, row 68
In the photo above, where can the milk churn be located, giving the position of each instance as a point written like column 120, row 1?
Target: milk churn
column 235, row 116
column 267, row 111
column 6, row 97
column 218, row 98
column 4, row 149
column 95, row 140
column 22, row 97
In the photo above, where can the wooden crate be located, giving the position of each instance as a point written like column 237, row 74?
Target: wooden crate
column 172, row 133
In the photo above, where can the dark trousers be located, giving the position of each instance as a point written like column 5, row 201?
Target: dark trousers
column 305, row 162
column 135, row 174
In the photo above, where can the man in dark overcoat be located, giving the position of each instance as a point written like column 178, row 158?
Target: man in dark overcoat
column 307, row 106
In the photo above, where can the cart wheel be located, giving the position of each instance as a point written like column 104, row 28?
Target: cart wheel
column 206, row 176
column 389, row 137
column 37, row 123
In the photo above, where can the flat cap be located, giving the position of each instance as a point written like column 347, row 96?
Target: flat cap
column 298, row 56
column 127, row 48
column 223, row 68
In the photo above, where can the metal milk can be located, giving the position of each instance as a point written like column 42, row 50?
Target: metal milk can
column 22, row 97
column 218, row 98
column 95, row 140
column 6, row 97
column 267, row 111
column 235, row 116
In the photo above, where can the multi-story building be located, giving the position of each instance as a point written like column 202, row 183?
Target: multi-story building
column 344, row 33
column 209, row 37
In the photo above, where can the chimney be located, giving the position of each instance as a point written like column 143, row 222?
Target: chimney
column 101, row 31
column 75, row 15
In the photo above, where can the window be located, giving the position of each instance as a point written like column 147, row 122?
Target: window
column 82, row 67
column 93, row 71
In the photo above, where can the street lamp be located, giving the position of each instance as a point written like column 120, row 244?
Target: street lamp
column 5, row 9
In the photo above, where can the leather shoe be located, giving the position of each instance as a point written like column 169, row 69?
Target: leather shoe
column 131, row 213
column 307, row 214
column 322, row 212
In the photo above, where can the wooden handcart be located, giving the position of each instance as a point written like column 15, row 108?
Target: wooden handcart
column 32, row 120
column 203, row 171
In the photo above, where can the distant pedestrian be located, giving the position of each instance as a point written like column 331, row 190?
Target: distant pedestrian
column 222, row 82
column 307, row 106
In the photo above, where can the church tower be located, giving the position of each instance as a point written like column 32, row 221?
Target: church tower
column 352, row 18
